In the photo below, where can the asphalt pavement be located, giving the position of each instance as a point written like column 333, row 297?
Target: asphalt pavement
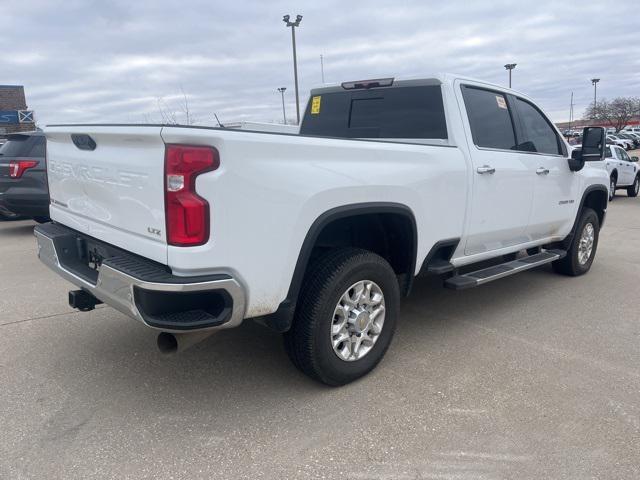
column 534, row 376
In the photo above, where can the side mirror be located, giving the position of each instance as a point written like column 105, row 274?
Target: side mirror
column 593, row 145
column 576, row 162
column 634, row 159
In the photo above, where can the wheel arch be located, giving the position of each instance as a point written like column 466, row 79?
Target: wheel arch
column 595, row 197
column 405, row 265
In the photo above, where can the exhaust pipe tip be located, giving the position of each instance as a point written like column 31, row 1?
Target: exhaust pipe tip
column 167, row 343
column 172, row 343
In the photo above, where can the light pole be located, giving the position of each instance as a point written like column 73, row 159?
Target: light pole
column 594, row 82
column 284, row 114
column 510, row 66
column 322, row 67
column 293, row 26
column 571, row 113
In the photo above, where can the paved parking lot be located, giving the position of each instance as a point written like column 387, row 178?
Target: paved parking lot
column 536, row 376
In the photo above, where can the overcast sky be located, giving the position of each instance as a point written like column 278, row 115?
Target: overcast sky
column 112, row 60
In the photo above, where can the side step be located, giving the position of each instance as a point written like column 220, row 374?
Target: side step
column 486, row 275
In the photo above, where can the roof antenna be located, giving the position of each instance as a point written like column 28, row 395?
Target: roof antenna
column 218, row 120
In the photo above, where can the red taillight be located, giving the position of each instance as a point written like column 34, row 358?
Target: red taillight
column 187, row 213
column 18, row 167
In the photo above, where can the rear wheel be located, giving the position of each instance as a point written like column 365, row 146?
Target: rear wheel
column 42, row 219
column 583, row 246
column 346, row 316
column 633, row 190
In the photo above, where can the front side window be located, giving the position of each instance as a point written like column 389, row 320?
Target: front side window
column 537, row 134
column 489, row 118
column 624, row 156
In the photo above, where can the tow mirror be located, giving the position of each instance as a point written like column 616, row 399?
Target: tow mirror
column 592, row 150
column 576, row 163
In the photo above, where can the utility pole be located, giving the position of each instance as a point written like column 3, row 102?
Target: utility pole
column 284, row 113
column 571, row 113
column 293, row 26
column 594, row 82
column 510, row 66
column 322, row 68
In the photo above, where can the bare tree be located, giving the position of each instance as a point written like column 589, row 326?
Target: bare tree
column 190, row 120
column 167, row 114
column 172, row 112
column 615, row 113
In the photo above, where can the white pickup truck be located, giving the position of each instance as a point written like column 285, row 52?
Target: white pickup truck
column 319, row 234
column 623, row 171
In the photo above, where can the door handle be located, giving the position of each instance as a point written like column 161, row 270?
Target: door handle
column 542, row 171
column 486, row 169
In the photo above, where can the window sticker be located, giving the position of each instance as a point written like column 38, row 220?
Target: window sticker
column 315, row 105
column 501, row 102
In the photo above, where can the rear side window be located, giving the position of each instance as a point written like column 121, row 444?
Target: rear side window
column 537, row 134
column 489, row 118
column 400, row 112
column 607, row 153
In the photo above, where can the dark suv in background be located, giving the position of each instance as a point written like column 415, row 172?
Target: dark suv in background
column 23, row 177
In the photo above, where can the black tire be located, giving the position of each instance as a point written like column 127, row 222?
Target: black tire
column 613, row 180
column 571, row 265
column 8, row 216
column 308, row 342
column 632, row 191
column 42, row 219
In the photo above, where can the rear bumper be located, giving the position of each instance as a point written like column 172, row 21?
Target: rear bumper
column 25, row 203
column 27, row 196
column 141, row 289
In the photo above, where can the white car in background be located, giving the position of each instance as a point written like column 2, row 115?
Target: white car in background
column 623, row 171
column 621, row 142
column 629, row 136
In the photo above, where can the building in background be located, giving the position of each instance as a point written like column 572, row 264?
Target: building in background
column 579, row 124
column 14, row 113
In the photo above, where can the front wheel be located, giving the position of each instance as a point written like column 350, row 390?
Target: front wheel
column 346, row 316
column 612, row 187
column 583, row 246
column 633, row 190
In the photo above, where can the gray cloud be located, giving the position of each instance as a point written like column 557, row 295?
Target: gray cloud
column 111, row 60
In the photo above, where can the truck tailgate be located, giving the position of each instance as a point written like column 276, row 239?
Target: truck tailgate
column 108, row 182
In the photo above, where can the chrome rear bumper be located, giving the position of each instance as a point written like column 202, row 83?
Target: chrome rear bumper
column 125, row 291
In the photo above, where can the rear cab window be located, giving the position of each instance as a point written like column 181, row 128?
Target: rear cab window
column 396, row 112
column 24, row 146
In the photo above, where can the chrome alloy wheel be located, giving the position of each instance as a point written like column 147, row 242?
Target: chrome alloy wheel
column 585, row 246
column 636, row 185
column 357, row 320
column 612, row 188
